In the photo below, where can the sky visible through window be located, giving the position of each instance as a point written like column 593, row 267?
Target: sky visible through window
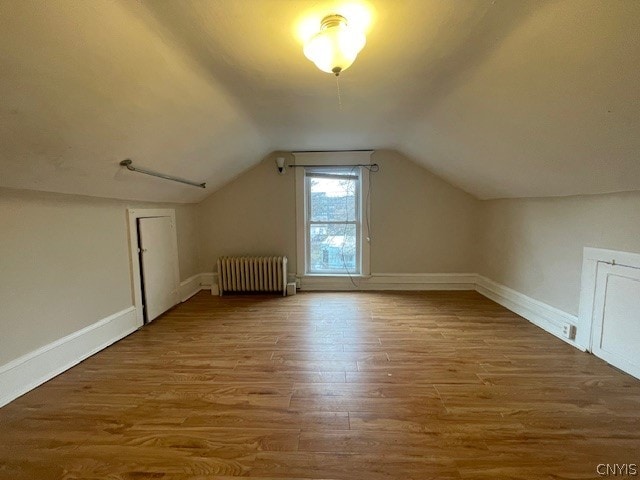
column 330, row 187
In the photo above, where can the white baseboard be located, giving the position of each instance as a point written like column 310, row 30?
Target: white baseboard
column 390, row 281
column 192, row 285
column 28, row 371
column 208, row 279
column 210, row 282
column 189, row 287
column 539, row 313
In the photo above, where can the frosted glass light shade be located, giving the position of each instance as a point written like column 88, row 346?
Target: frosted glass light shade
column 336, row 46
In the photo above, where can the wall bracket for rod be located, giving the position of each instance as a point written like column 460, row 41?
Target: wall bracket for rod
column 129, row 165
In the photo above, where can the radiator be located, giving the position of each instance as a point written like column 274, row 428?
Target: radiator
column 252, row 274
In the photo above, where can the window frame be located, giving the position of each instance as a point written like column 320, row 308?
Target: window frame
column 337, row 159
column 355, row 173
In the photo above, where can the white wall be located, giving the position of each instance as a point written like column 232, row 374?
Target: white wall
column 535, row 245
column 64, row 263
column 419, row 223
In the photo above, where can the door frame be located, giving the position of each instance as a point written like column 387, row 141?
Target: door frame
column 592, row 259
column 133, row 214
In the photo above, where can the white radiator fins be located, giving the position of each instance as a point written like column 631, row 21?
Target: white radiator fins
column 252, row 274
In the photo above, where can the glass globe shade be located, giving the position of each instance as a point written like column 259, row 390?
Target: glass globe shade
column 335, row 47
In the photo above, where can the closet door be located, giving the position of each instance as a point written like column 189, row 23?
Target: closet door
column 159, row 287
column 616, row 321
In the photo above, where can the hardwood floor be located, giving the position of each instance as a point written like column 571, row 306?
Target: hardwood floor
column 357, row 386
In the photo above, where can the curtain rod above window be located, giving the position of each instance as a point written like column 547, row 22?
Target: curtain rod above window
column 373, row 167
column 335, row 151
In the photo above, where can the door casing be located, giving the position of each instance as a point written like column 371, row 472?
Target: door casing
column 133, row 216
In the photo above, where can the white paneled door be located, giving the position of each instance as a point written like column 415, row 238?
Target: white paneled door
column 158, row 262
column 616, row 317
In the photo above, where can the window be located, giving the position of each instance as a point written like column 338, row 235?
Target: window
column 333, row 224
column 332, row 231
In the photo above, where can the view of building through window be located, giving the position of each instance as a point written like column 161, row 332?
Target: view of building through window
column 333, row 220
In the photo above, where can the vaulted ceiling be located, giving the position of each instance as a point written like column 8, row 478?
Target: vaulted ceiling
column 502, row 98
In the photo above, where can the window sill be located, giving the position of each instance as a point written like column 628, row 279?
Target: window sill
column 333, row 275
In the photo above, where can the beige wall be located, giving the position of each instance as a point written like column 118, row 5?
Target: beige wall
column 65, row 264
column 535, row 246
column 254, row 214
column 188, row 237
column 419, row 223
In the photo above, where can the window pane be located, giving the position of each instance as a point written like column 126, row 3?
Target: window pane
column 332, row 248
column 332, row 199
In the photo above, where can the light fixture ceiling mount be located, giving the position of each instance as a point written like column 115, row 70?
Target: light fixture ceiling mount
column 335, row 47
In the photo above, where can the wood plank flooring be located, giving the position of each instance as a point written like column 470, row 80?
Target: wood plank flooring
column 357, row 386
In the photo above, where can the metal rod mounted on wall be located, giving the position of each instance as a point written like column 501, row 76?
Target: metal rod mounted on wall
column 128, row 163
column 373, row 167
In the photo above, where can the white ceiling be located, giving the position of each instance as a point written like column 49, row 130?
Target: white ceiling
column 502, row 98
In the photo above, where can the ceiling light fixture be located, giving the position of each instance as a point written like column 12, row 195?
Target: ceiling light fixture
column 335, row 47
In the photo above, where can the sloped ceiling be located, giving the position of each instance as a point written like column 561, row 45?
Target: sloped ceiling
column 502, row 98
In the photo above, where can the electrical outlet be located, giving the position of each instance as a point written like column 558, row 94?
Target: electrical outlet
column 569, row 331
